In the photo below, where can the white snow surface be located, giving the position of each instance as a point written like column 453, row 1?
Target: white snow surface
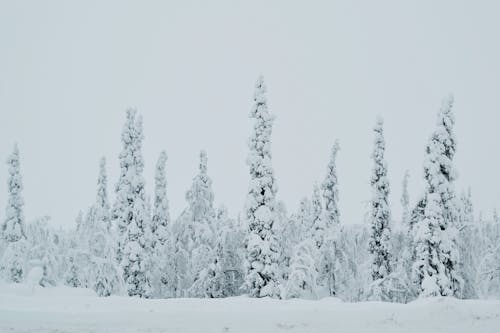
column 63, row 309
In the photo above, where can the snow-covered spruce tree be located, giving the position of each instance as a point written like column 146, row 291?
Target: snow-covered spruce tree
column 261, row 244
column 13, row 229
column 202, row 218
column 130, row 210
column 160, row 224
column 13, row 226
column 436, row 252
column 319, row 228
column 200, row 198
column 161, row 216
column 124, row 189
column 330, row 189
column 379, row 245
column 330, row 249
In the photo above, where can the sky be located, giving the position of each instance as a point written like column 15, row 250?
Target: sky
column 70, row 69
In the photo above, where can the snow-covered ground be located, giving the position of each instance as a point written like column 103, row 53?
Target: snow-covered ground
column 64, row 309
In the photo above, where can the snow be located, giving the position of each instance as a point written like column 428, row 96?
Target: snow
column 63, row 309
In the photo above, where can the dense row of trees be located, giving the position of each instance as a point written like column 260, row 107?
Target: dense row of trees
column 134, row 247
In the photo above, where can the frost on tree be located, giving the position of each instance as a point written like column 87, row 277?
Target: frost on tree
column 437, row 258
column 261, row 244
column 130, row 211
column 13, row 229
column 379, row 244
column 330, row 189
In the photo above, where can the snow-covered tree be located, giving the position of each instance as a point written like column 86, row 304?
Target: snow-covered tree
column 294, row 231
column 303, row 273
column 304, row 219
column 130, row 211
column 262, row 248
column 202, row 218
column 200, row 198
column 487, row 282
column 467, row 239
column 43, row 250
column 405, row 201
column 322, row 234
column 330, row 189
column 124, row 191
column 13, row 263
column 102, row 209
column 319, row 228
column 106, row 275
column 400, row 283
column 232, row 239
column 437, row 257
column 75, row 275
column 281, row 228
column 161, row 241
column 351, row 265
column 380, row 217
column 161, row 216
column 13, row 226
column 106, row 279
column 466, row 208
column 222, row 277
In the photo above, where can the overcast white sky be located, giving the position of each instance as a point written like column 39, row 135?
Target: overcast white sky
column 68, row 71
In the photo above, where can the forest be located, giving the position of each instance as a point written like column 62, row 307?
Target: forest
column 128, row 244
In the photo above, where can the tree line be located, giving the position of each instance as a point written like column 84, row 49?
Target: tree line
column 133, row 247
